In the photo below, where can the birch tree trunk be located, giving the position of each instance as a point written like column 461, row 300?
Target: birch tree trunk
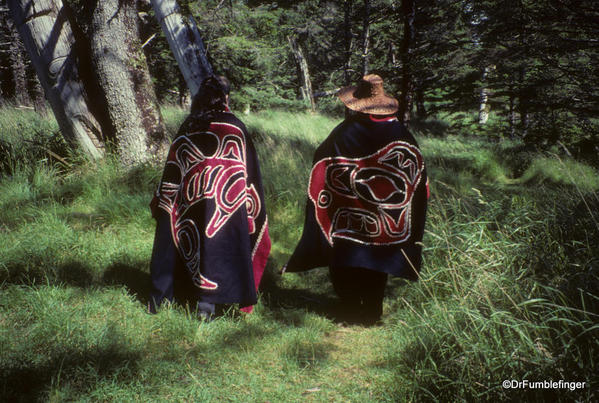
column 185, row 42
column 302, row 64
column 484, row 107
column 48, row 38
column 123, row 76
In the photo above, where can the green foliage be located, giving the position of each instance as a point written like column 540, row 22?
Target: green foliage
column 249, row 46
column 173, row 118
column 509, row 288
column 533, row 58
column 250, row 98
column 541, row 57
column 286, row 143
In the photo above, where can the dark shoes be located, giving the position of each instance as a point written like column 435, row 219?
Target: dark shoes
column 206, row 311
column 357, row 314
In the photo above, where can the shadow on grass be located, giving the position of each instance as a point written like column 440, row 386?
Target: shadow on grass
column 279, row 299
column 240, row 337
column 307, row 355
column 79, row 370
column 429, row 127
column 439, row 370
column 35, row 271
column 268, row 142
column 134, row 279
column 80, row 275
column 320, row 299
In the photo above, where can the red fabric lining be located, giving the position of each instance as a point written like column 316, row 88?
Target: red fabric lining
column 385, row 119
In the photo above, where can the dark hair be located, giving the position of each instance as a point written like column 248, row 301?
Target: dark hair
column 211, row 96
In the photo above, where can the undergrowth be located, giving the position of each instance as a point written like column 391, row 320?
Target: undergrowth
column 509, row 289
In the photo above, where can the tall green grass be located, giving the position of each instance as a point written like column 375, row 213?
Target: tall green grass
column 286, row 143
column 509, row 287
column 27, row 138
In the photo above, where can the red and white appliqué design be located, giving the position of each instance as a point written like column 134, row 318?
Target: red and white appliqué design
column 219, row 176
column 368, row 199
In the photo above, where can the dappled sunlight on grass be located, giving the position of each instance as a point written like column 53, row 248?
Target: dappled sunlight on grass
column 509, row 288
column 561, row 171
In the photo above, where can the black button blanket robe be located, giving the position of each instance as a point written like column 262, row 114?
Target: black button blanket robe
column 367, row 200
column 212, row 191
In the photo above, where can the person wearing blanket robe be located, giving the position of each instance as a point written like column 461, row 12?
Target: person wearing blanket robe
column 367, row 200
column 212, row 241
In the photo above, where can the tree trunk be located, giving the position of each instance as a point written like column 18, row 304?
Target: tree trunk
column 348, row 41
column 18, row 66
column 407, row 81
column 420, row 107
column 524, row 118
column 185, row 42
column 184, row 100
column 302, row 64
column 37, row 93
column 123, row 76
column 524, row 96
column 48, row 38
column 484, row 107
column 512, row 118
column 365, row 37
column 392, row 57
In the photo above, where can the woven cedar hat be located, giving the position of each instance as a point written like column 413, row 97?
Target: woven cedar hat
column 369, row 97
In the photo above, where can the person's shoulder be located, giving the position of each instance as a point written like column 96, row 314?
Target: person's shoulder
column 335, row 138
column 227, row 117
column 230, row 118
column 405, row 134
column 348, row 125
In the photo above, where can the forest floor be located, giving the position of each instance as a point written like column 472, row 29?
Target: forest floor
column 509, row 287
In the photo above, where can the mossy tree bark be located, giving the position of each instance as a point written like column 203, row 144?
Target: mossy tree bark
column 122, row 72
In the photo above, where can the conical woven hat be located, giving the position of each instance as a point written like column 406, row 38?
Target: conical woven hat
column 369, row 97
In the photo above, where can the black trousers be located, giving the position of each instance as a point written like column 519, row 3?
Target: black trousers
column 361, row 292
column 170, row 280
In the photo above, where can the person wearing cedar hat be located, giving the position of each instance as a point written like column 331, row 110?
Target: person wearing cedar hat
column 211, row 243
column 367, row 200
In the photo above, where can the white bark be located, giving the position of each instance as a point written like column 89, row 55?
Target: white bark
column 484, row 107
column 185, row 42
column 49, row 41
column 302, row 63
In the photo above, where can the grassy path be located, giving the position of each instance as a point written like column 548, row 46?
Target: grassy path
column 509, row 289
